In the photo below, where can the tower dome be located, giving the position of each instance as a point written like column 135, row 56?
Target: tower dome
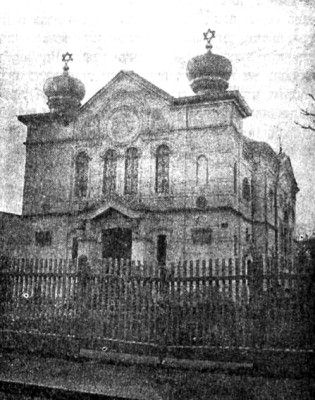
column 64, row 92
column 209, row 73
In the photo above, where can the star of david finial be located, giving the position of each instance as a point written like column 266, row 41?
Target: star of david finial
column 66, row 57
column 208, row 36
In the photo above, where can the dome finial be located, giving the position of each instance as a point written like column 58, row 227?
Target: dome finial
column 208, row 36
column 64, row 92
column 209, row 73
column 66, row 57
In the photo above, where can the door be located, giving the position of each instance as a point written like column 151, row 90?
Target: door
column 117, row 243
column 161, row 249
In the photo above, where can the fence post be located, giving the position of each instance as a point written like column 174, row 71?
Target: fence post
column 84, row 275
column 257, row 301
column 162, row 313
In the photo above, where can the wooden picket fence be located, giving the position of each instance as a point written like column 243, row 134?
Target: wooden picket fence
column 197, row 304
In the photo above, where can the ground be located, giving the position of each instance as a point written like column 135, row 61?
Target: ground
column 136, row 381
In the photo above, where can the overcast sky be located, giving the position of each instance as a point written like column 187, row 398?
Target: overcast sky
column 271, row 44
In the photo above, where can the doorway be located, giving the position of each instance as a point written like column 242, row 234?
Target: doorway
column 116, row 243
column 161, row 249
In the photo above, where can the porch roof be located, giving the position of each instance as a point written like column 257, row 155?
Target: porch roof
column 108, row 205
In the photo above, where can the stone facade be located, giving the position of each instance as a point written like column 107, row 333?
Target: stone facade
column 165, row 178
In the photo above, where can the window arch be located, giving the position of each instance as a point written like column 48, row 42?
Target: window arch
column 162, row 169
column 81, row 174
column 131, row 171
column 246, row 189
column 109, row 172
column 235, row 177
column 202, row 170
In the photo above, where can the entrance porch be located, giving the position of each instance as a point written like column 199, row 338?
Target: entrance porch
column 113, row 231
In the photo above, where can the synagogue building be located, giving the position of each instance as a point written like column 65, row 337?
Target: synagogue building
column 136, row 173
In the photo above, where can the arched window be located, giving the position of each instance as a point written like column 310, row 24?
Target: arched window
column 131, row 171
column 202, row 171
column 235, row 245
column 271, row 198
column 162, row 169
column 246, row 189
column 235, row 177
column 109, row 173
column 81, row 175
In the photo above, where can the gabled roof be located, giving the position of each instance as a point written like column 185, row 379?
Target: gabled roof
column 233, row 95
column 135, row 78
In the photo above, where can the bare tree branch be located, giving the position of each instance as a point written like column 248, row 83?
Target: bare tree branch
column 311, row 96
column 311, row 128
column 308, row 113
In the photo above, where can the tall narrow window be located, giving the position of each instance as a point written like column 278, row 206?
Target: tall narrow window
column 202, row 171
column 247, row 235
column 162, row 169
column 74, row 249
column 81, row 175
column 131, row 171
column 109, row 174
column 246, row 189
column 235, row 177
column 235, row 243
column 271, row 199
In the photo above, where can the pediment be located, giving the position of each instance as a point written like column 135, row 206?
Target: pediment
column 127, row 81
column 126, row 107
column 110, row 207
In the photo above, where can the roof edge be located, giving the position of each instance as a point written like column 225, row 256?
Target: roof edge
column 26, row 119
column 122, row 209
column 235, row 95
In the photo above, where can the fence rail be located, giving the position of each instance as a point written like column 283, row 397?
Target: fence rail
column 213, row 303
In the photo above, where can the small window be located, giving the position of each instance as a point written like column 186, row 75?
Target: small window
column 201, row 202
column 202, row 171
column 246, row 189
column 235, row 177
column 224, row 225
column 43, row 238
column 201, row 235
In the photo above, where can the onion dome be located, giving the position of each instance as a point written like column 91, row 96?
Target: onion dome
column 64, row 92
column 209, row 73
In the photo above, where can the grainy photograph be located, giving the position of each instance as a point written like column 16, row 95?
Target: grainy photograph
column 157, row 186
